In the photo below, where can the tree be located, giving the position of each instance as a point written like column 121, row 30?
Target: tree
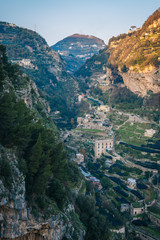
column 36, row 154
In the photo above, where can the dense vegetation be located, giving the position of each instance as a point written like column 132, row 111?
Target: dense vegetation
column 49, row 176
column 42, row 157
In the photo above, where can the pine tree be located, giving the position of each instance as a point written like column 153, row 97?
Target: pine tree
column 36, row 154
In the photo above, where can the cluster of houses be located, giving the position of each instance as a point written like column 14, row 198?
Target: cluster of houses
column 134, row 209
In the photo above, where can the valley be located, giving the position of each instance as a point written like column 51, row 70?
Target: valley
column 124, row 178
column 80, row 135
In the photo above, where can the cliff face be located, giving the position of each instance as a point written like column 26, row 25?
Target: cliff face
column 16, row 218
column 142, row 82
column 77, row 48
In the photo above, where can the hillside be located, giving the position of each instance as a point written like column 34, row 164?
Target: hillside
column 40, row 186
column 138, row 50
column 77, row 48
column 45, row 67
column 34, row 167
column 133, row 59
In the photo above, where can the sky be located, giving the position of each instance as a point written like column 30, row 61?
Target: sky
column 57, row 19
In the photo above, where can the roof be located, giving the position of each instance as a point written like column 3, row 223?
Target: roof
column 131, row 180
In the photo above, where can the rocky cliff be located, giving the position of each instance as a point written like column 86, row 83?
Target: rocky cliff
column 77, row 48
column 142, row 82
column 16, row 217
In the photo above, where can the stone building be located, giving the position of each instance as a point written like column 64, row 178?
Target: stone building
column 125, row 207
column 101, row 146
column 137, row 208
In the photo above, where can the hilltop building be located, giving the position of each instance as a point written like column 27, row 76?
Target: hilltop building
column 102, row 146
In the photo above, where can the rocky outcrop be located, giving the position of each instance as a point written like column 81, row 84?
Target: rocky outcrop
column 142, row 82
column 16, row 218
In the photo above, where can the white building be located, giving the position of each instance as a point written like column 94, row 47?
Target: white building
column 79, row 158
column 131, row 183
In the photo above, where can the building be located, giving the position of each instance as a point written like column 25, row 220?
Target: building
column 79, row 158
column 137, row 208
column 125, row 207
column 131, row 183
column 80, row 97
column 79, row 120
column 102, row 146
column 104, row 108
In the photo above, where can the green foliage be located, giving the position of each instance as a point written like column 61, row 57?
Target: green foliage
column 96, row 224
column 41, row 156
column 57, row 192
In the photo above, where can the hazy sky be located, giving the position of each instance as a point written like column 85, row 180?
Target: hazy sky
column 57, row 19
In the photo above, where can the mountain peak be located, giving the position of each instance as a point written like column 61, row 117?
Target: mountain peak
column 77, row 48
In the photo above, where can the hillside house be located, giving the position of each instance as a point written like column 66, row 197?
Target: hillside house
column 131, row 183
column 137, row 208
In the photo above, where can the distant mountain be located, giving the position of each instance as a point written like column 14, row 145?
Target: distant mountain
column 77, row 48
column 45, row 67
column 132, row 58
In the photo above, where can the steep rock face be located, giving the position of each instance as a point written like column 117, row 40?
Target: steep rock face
column 77, row 48
column 141, row 82
column 16, row 218
column 45, row 67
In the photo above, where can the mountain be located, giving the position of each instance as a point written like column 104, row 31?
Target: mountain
column 45, row 67
column 77, row 48
column 133, row 58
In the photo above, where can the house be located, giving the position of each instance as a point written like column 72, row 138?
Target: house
column 125, row 207
column 137, row 208
column 80, row 97
column 131, row 183
column 103, row 108
column 79, row 120
column 79, row 158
